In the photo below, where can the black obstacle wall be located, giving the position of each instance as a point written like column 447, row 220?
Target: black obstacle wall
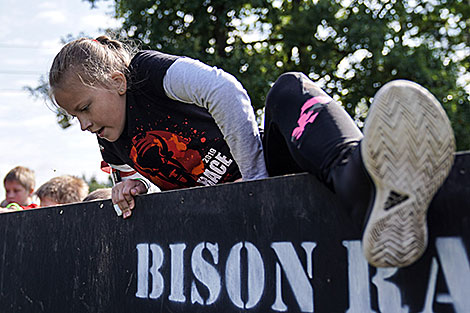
column 283, row 244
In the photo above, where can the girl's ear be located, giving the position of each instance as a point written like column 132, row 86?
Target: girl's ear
column 119, row 82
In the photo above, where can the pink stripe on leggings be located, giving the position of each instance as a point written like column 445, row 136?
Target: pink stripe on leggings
column 308, row 117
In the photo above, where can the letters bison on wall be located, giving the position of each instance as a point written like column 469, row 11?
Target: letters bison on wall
column 282, row 244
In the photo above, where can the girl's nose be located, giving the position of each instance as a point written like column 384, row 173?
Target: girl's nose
column 84, row 124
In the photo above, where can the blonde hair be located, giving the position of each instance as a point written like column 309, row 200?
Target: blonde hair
column 23, row 175
column 64, row 189
column 100, row 193
column 92, row 61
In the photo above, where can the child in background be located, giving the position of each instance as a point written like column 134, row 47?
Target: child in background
column 99, row 194
column 177, row 122
column 62, row 190
column 19, row 186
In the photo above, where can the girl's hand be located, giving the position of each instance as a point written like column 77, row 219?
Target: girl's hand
column 123, row 194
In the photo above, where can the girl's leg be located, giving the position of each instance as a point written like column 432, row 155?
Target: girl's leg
column 305, row 129
column 407, row 153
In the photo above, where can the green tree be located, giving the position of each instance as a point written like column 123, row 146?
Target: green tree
column 350, row 47
column 94, row 184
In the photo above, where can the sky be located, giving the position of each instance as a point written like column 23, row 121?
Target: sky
column 30, row 37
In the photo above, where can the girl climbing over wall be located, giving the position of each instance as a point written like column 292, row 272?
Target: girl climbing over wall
column 175, row 122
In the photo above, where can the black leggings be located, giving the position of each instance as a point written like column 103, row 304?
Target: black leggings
column 305, row 129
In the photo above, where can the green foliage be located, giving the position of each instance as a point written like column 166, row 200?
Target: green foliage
column 350, row 47
column 93, row 184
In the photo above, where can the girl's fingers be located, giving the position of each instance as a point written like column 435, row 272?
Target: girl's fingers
column 129, row 200
column 123, row 195
column 127, row 213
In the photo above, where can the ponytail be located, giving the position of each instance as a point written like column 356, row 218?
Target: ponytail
column 91, row 60
column 110, row 43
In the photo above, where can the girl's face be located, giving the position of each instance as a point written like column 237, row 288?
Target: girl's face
column 99, row 110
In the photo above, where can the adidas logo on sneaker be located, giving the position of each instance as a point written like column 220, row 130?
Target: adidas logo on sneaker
column 394, row 198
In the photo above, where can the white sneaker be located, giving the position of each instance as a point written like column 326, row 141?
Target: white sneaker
column 408, row 150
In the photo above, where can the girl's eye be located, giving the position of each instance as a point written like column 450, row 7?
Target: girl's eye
column 85, row 108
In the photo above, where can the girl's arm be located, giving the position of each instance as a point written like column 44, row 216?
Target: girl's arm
column 191, row 81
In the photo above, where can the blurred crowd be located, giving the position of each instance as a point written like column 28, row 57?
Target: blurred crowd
column 20, row 192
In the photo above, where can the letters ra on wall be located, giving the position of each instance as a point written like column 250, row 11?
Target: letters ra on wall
column 300, row 277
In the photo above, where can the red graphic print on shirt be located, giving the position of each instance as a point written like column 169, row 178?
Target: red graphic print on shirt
column 166, row 160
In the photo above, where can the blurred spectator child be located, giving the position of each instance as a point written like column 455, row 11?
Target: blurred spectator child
column 99, row 194
column 19, row 186
column 62, row 190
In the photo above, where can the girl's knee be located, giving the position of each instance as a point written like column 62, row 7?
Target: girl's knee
column 291, row 87
column 286, row 85
column 288, row 79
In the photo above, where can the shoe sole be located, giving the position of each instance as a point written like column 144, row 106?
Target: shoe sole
column 408, row 150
